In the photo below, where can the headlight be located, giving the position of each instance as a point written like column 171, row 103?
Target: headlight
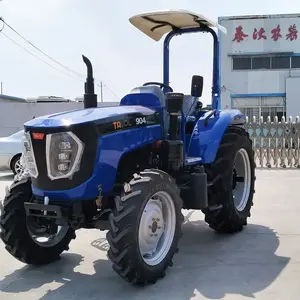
column 27, row 158
column 63, row 154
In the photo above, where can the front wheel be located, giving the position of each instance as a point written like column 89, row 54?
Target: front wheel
column 26, row 238
column 145, row 227
column 16, row 165
column 232, row 179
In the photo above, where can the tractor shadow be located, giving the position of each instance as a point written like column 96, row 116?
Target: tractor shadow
column 208, row 264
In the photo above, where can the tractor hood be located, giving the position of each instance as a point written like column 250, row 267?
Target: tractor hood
column 99, row 115
column 114, row 128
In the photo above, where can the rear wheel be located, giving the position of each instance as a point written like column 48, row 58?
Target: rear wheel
column 232, row 177
column 26, row 238
column 145, row 227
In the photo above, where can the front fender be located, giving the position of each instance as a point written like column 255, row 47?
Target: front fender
column 205, row 139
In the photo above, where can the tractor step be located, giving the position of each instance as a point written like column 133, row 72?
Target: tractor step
column 192, row 160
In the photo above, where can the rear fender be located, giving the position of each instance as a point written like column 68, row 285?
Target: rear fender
column 206, row 138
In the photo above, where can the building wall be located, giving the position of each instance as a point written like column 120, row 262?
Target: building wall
column 292, row 96
column 257, row 84
column 13, row 115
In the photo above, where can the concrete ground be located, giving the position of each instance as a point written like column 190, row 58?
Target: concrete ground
column 261, row 262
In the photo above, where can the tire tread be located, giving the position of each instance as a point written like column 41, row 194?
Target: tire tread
column 14, row 233
column 226, row 219
column 122, row 222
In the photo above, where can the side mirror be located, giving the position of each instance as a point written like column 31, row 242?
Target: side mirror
column 197, row 86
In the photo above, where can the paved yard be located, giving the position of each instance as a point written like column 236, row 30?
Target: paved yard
column 262, row 262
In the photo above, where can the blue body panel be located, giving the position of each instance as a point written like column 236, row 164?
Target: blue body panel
column 85, row 115
column 144, row 99
column 110, row 150
column 205, row 140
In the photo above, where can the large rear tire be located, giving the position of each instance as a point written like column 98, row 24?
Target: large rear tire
column 232, row 178
column 16, row 235
column 145, row 227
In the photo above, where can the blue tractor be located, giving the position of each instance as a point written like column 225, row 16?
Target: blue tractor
column 131, row 169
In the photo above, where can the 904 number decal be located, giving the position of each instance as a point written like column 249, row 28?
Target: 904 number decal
column 140, row 121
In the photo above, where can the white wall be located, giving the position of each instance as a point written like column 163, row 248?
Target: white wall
column 252, row 81
column 292, row 97
column 13, row 115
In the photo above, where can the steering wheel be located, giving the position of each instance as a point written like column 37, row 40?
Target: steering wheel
column 161, row 85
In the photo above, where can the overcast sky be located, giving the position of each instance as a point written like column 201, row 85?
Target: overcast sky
column 121, row 55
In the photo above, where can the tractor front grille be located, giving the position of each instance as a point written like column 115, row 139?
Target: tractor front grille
column 87, row 134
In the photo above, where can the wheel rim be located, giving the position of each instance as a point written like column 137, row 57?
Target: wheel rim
column 40, row 235
column 18, row 167
column 157, row 228
column 241, row 182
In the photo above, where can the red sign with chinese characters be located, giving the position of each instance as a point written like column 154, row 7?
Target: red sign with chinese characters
column 290, row 33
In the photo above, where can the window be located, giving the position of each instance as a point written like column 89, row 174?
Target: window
column 241, row 63
column 249, row 112
column 265, row 62
column 273, row 112
column 281, row 114
column 17, row 135
column 261, row 63
column 282, row 62
column 296, row 62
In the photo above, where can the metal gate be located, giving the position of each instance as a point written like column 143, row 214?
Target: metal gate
column 275, row 144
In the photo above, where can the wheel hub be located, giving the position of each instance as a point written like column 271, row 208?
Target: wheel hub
column 154, row 226
column 157, row 228
column 241, row 179
column 151, row 226
column 18, row 167
column 234, row 181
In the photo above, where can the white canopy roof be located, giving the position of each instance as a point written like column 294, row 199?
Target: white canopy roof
column 156, row 24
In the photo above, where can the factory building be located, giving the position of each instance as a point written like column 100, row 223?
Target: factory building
column 260, row 65
column 15, row 111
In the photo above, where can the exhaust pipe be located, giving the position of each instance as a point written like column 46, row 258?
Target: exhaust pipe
column 89, row 98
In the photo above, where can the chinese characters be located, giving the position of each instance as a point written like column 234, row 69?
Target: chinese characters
column 260, row 34
column 239, row 34
column 292, row 35
column 276, row 33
